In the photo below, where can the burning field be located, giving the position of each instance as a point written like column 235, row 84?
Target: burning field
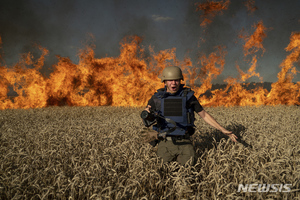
column 76, row 134
column 98, row 153
column 131, row 78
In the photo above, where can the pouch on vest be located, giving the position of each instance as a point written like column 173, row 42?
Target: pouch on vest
column 174, row 109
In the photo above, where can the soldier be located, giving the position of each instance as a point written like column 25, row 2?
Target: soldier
column 174, row 107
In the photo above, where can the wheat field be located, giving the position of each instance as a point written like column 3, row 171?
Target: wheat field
column 98, row 153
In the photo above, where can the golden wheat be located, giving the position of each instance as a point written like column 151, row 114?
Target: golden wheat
column 98, row 153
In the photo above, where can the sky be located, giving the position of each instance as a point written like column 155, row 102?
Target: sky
column 65, row 26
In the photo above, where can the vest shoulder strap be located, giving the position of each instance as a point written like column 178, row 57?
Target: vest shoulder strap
column 187, row 92
column 160, row 93
column 157, row 102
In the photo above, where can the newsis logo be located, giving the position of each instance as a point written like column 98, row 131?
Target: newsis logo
column 264, row 187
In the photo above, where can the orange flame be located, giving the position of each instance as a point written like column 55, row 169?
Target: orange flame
column 284, row 91
column 211, row 9
column 209, row 70
column 28, row 83
column 131, row 78
column 252, row 45
column 254, row 42
column 250, row 4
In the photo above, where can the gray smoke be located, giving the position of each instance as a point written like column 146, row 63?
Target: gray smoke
column 63, row 27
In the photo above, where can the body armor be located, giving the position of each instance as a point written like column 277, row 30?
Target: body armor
column 176, row 117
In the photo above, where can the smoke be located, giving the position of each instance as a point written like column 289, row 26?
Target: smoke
column 64, row 27
column 26, row 24
column 280, row 19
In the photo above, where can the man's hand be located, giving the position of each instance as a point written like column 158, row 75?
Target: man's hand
column 211, row 121
column 148, row 135
column 148, row 108
column 230, row 135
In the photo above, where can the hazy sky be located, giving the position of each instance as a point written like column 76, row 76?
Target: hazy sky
column 64, row 26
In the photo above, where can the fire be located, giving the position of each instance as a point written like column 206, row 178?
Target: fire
column 211, row 9
column 132, row 77
column 250, row 4
column 254, row 42
column 106, row 81
column 284, row 91
column 28, row 83
column 212, row 66
column 123, row 81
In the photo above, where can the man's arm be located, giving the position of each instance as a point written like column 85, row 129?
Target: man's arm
column 211, row 121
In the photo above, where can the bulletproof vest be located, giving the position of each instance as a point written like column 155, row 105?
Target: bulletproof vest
column 176, row 116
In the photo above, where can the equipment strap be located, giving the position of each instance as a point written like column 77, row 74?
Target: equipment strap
column 163, row 134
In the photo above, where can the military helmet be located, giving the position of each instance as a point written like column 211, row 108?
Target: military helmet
column 171, row 73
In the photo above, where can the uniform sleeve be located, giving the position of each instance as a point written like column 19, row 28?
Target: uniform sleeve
column 193, row 102
column 151, row 103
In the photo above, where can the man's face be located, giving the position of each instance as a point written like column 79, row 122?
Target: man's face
column 173, row 86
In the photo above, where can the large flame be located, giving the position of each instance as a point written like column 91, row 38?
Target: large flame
column 131, row 78
column 284, row 91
